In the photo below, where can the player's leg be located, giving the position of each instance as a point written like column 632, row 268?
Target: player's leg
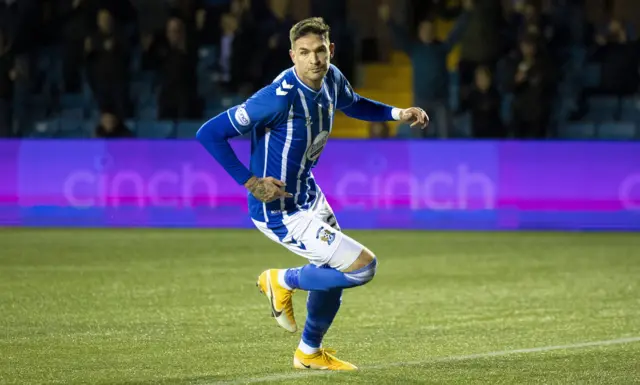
column 323, row 306
column 271, row 282
column 351, row 264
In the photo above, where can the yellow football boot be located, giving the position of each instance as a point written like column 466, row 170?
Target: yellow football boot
column 280, row 299
column 324, row 359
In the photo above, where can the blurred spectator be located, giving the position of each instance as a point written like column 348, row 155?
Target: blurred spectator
column 110, row 126
column 527, row 19
column 74, row 15
column 531, row 79
column 152, row 16
column 620, row 59
column 8, row 75
column 275, row 26
column 107, row 53
column 482, row 41
column 429, row 61
column 193, row 14
column 334, row 14
column 178, row 59
column 379, row 130
column 484, row 104
column 232, row 68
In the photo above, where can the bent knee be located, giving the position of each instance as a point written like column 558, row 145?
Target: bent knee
column 364, row 268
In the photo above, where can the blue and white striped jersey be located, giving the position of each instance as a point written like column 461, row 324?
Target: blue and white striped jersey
column 290, row 124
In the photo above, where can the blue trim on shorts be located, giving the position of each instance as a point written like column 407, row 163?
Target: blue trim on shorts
column 278, row 229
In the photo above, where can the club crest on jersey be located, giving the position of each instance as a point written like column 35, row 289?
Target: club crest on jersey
column 314, row 151
column 242, row 117
column 325, row 235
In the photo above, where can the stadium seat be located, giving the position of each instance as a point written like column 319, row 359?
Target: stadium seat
column 45, row 129
column 153, row 129
column 602, row 108
column 72, row 113
column 617, row 131
column 630, row 110
column 73, row 101
column 403, row 131
column 462, row 126
column 591, row 75
column 207, row 57
column 187, row 129
column 132, row 125
column 71, row 125
column 148, row 112
column 578, row 130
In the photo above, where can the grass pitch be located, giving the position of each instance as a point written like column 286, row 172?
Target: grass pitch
column 181, row 307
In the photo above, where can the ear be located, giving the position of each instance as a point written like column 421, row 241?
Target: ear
column 332, row 49
column 292, row 55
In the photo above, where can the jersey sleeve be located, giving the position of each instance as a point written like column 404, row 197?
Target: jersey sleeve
column 262, row 109
column 346, row 95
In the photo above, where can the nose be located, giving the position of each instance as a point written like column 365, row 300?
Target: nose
column 315, row 58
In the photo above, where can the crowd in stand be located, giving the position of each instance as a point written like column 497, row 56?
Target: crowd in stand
column 521, row 72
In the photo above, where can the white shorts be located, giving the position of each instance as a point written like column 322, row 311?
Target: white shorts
column 315, row 235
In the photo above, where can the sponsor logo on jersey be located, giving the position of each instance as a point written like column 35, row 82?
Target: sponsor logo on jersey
column 314, row 151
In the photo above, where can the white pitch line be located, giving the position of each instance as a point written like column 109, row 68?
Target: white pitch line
column 309, row 373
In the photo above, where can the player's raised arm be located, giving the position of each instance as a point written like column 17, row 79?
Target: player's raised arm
column 359, row 107
column 258, row 111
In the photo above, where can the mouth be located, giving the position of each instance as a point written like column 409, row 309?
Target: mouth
column 317, row 70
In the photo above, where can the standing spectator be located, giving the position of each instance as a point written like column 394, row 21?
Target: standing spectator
column 275, row 28
column 235, row 55
column 531, row 80
column 620, row 59
column 7, row 77
column 482, row 42
column 107, row 65
column 484, row 104
column 74, row 20
column 178, row 60
column 429, row 62
column 152, row 16
column 193, row 14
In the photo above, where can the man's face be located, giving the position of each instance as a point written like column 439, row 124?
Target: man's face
column 174, row 31
column 108, row 121
column 105, row 22
column 426, row 32
column 528, row 49
column 311, row 56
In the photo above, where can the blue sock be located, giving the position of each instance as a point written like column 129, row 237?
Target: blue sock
column 322, row 307
column 314, row 278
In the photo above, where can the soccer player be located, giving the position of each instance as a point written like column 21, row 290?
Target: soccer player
column 290, row 121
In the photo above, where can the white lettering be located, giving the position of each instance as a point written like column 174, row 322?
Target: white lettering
column 165, row 187
column 438, row 190
column 629, row 200
column 122, row 178
column 166, row 177
column 343, row 193
column 430, row 195
column 69, row 189
column 484, row 182
column 401, row 180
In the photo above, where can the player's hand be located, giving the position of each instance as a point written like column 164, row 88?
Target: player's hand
column 267, row 189
column 415, row 116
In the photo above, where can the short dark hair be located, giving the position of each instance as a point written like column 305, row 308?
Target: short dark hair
column 312, row 25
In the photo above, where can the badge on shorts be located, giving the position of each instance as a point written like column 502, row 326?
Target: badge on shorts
column 325, row 235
